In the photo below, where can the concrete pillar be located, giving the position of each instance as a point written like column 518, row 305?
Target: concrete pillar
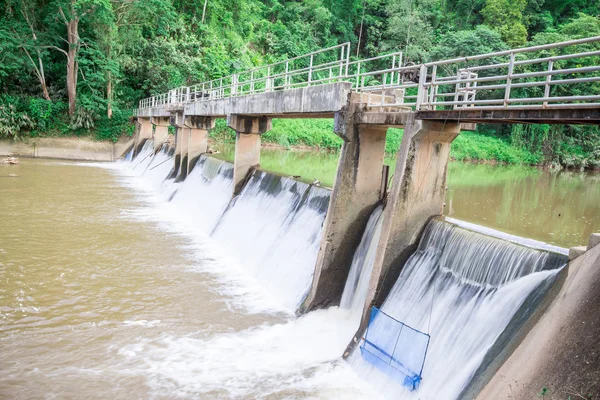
column 198, row 138
column 184, row 137
column 161, row 131
column 356, row 192
column 416, row 195
column 179, row 132
column 144, row 133
column 247, row 145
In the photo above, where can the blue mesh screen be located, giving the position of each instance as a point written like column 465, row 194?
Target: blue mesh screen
column 395, row 348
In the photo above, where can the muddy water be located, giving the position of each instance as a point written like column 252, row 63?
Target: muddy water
column 560, row 208
column 106, row 292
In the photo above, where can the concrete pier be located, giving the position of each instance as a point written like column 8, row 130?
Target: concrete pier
column 144, row 132
column 183, row 134
column 198, row 138
column 356, row 192
column 247, row 145
column 416, row 195
column 161, row 131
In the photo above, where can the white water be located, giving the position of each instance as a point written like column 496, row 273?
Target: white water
column 463, row 289
column 206, row 192
column 274, row 228
column 280, row 358
column 357, row 284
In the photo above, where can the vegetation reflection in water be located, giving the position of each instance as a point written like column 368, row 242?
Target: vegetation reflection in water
column 560, row 208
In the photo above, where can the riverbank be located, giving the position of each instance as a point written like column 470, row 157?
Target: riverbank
column 484, row 146
column 66, row 148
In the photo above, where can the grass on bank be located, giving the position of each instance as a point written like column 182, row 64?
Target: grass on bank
column 318, row 134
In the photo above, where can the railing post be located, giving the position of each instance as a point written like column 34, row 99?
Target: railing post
column 357, row 75
column 433, row 87
column 252, row 82
column 268, row 81
column 547, row 85
column 310, row 69
column 393, row 66
column 347, row 59
column 422, row 92
column 187, row 94
column 234, row 84
column 286, row 84
column 511, row 66
column 341, row 63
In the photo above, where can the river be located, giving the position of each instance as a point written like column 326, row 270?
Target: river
column 561, row 208
column 109, row 291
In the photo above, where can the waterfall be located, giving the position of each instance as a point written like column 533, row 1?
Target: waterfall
column 206, row 192
column 466, row 290
column 274, row 228
column 357, row 284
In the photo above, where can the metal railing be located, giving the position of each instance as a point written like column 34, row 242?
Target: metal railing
column 549, row 76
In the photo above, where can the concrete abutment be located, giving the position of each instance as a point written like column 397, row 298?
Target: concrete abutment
column 356, row 192
column 416, row 195
column 198, row 138
column 144, row 132
column 161, row 131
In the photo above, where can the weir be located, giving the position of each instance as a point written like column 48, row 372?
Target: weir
column 470, row 293
column 310, row 247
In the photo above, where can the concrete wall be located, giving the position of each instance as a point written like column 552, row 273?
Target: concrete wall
column 319, row 100
column 561, row 352
column 66, row 149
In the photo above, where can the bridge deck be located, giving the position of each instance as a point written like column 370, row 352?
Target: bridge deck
column 584, row 116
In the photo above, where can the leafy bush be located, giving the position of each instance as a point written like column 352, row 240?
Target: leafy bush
column 13, row 121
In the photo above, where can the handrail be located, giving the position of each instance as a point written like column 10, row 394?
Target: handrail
column 433, row 85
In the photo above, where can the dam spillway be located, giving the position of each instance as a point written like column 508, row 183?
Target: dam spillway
column 272, row 228
column 470, row 293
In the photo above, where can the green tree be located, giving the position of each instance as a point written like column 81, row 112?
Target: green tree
column 506, row 17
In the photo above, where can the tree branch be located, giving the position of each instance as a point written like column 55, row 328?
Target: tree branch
column 57, row 48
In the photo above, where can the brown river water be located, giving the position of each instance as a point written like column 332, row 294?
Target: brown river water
column 107, row 292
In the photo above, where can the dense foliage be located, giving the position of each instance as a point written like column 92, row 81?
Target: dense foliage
column 77, row 66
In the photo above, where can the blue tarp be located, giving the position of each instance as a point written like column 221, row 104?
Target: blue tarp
column 395, row 348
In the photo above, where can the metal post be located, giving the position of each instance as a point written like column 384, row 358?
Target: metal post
column 511, row 66
column 341, row 62
column 268, row 81
column 422, row 93
column 393, row 66
column 310, row 70
column 347, row 59
column 251, row 82
column 286, row 83
column 357, row 75
column 547, row 85
column 433, row 87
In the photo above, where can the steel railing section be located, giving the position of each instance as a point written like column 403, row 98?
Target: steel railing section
column 546, row 76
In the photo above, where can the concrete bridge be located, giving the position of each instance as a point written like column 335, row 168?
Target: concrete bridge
column 431, row 101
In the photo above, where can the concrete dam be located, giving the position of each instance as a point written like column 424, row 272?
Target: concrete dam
column 424, row 306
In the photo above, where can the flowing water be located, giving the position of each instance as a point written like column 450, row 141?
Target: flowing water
column 357, row 284
column 119, row 281
column 111, row 291
column 463, row 289
column 561, row 208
